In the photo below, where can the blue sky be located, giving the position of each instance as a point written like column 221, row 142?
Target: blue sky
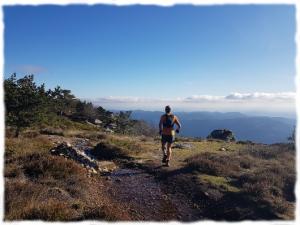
column 148, row 52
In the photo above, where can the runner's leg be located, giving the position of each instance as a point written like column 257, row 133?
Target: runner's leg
column 163, row 147
column 169, row 151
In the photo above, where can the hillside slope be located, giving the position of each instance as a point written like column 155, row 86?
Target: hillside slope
column 207, row 180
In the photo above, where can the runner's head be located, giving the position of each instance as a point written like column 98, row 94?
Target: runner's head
column 167, row 109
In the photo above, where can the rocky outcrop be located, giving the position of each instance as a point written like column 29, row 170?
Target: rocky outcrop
column 81, row 154
column 222, row 134
column 68, row 151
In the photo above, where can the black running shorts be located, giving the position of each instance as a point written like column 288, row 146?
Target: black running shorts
column 167, row 138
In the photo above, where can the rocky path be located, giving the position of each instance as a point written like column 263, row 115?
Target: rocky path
column 140, row 191
column 146, row 197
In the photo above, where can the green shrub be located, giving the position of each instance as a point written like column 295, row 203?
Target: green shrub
column 108, row 152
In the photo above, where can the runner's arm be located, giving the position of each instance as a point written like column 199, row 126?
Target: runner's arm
column 177, row 123
column 160, row 125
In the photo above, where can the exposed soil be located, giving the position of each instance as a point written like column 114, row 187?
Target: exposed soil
column 147, row 198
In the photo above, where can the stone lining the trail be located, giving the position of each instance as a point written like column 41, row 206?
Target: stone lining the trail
column 80, row 154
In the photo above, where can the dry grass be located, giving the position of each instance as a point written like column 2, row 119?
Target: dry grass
column 58, row 122
column 91, row 135
column 218, row 164
column 23, row 202
column 52, row 131
column 55, row 189
column 263, row 174
column 218, row 182
column 39, row 186
column 125, row 147
column 15, row 147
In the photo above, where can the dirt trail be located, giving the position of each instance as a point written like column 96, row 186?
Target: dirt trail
column 139, row 190
column 147, row 198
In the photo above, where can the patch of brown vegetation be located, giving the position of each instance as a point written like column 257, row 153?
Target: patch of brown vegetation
column 264, row 174
column 214, row 164
column 91, row 135
column 39, row 186
column 114, row 147
column 16, row 147
column 106, row 151
column 256, row 182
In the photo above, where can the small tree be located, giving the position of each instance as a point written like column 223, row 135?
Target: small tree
column 85, row 110
column 104, row 115
column 25, row 102
column 62, row 101
column 124, row 122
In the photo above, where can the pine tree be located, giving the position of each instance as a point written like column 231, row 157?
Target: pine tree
column 25, row 102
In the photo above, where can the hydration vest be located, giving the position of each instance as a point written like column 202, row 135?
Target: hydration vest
column 169, row 121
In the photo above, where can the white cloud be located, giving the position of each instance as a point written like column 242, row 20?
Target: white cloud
column 125, row 99
column 256, row 96
column 262, row 96
column 199, row 98
column 243, row 102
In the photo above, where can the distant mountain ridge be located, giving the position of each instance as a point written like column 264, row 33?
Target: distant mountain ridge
column 261, row 129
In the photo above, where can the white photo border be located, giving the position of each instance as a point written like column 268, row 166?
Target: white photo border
column 165, row 3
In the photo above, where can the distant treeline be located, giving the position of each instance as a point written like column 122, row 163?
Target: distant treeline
column 28, row 104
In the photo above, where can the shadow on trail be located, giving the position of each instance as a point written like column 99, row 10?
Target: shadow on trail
column 211, row 202
column 126, row 173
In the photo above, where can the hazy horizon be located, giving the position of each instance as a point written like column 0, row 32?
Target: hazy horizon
column 289, row 115
column 278, row 104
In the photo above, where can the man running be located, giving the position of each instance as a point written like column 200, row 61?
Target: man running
column 167, row 132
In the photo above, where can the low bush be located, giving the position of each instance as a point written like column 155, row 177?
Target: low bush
column 108, row 152
column 50, row 166
column 51, row 188
column 23, row 202
column 130, row 146
column 214, row 164
column 51, row 210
